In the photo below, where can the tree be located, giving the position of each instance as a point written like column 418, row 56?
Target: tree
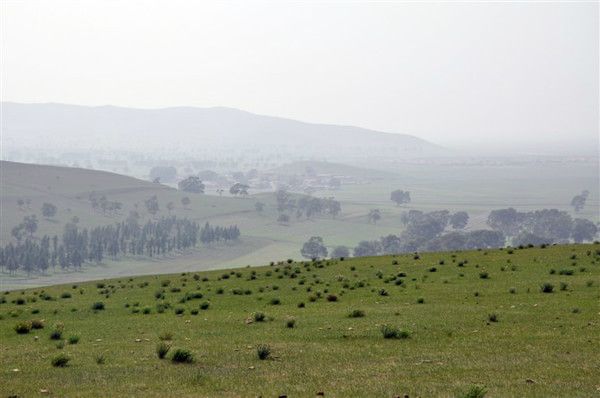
column 185, row 201
column 30, row 224
column 374, row 215
column 506, row 221
column 578, row 201
column 152, row 205
column 391, row 244
column 48, row 210
column 367, row 248
column 400, row 197
column 340, row 252
column 583, row 230
column 239, row 189
column 191, row 184
column 259, row 206
column 459, row 220
column 163, row 173
column 314, row 248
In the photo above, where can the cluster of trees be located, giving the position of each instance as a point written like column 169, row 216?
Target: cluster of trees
column 101, row 203
column 211, row 234
column 305, row 206
column 191, row 184
column 239, row 189
column 541, row 226
column 79, row 245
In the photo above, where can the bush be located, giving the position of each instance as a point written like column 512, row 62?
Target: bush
column 420, row 300
column 474, row 392
column 65, row 295
column 332, row 298
column 357, row 314
column 493, row 317
column 179, row 310
column 567, row 272
column 301, row 305
column 290, row 323
column 23, row 327
column 100, row 360
column 263, row 351
column 547, row 287
column 57, row 332
column 259, row 317
column 275, row 301
column 182, row 356
column 37, row 324
column 73, row 339
column 162, row 349
column 512, row 290
column 98, row 306
column 392, row 332
column 60, row 361
column 484, row 275
column 563, row 286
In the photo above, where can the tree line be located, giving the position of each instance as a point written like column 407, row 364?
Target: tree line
column 305, row 206
column 77, row 246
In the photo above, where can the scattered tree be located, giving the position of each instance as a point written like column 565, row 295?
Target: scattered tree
column 400, row 197
column 314, row 248
column 48, row 210
column 191, row 184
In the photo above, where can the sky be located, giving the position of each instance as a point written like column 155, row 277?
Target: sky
column 494, row 74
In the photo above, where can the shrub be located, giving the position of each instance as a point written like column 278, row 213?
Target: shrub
column 57, row 332
column 301, row 305
column 484, row 275
column 392, row 332
column 179, row 310
column 357, row 314
column 547, row 287
column 204, row 305
column 566, row 272
column 182, row 356
column 275, row 301
column 65, row 295
column 73, row 339
column 263, row 351
column 98, row 306
column 383, row 292
column 493, row 318
column 60, row 361
column 146, row 310
column 563, row 286
column 420, row 300
column 512, row 290
column 290, row 323
column 474, row 392
column 332, row 298
column 259, row 317
column 162, row 349
column 165, row 336
column 23, row 327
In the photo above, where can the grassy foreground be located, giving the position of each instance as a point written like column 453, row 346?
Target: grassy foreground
column 460, row 320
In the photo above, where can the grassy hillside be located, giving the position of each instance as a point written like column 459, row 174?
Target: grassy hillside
column 463, row 319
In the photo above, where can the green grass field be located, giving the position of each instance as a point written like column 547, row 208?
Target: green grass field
column 473, row 319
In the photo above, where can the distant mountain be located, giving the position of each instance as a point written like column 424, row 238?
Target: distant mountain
column 186, row 128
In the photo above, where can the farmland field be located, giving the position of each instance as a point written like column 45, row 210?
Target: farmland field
column 513, row 322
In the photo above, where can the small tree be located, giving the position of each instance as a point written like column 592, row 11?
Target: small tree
column 152, row 205
column 314, row 248
column 239, row 189
column 259, row 206
column 30, row 224
column 48, row 210
column 400, row 197
column 185, row 201
column 340, row 252
column 578, row 201
column 374, row 215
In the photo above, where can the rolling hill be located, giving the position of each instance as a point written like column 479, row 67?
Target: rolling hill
column 186, row 128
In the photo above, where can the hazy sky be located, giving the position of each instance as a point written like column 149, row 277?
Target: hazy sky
column 453, row 73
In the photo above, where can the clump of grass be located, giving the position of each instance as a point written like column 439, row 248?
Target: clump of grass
column 162, row 349
column 100, row 359
column 23, row 327
column 392, row 332
column 98, row 306
column 146, row 310
column 290, row 323
column 204, row 305
column 259, row 317
column 73, row 339
column 493, row 317
column 60, row 345
column 512, row 290
column 332, row 298
column 60, row 361
column 301, row 305
column 547, row 287
column 65, row 295
column 165, row 336
column 484, row 275
column 275, row 301
column 263, row 351
column 356, row 314
column 564, row 286
column 420, row 300
column 182, row 355
column 474, row 392
column 179, row 311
